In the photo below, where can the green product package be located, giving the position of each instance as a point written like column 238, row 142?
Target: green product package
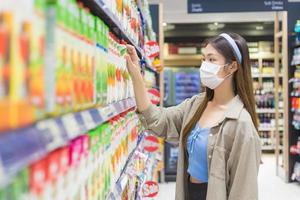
column 39, row 5
column 96, row 27
column 92, row 138
column 99, row 31
column 106, row 34
column 101, row 135
column 70, row 19
column 104, row 76
column 92, row 27
column 2, row 194
column 98, row 75
column 24, row 179
column 77, row 23
column 14, row 191
column 81, row 21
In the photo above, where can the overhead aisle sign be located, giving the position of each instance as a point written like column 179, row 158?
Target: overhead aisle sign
column 208, row 6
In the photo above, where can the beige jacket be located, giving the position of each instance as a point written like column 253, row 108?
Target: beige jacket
column 234, row 148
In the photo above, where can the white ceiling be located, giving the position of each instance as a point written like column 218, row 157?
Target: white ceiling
column 175, row 11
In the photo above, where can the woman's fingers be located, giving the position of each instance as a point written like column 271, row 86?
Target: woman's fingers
column 133, row 55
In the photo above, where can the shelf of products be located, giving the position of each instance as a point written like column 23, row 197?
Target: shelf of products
column 263, row 72
column 294, row 133
column 267, row 110
column 139, row 169
column 124, row 19
column 88, row 165
column 181, row 84
column 49, row 134
column 62, row 63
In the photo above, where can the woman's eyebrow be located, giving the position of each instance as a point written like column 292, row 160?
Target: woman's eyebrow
column 209, row 54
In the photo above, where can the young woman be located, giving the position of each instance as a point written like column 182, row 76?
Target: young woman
column 219, row 145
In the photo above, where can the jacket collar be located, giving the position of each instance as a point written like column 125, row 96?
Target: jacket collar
column 234, row 108
column 233, row 111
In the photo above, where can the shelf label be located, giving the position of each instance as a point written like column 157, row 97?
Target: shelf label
column 150, row 189
column 88, row 120
column 71, row 125
column 106, row 112
column 151, row 144
column 154, row 96
column 52, row 133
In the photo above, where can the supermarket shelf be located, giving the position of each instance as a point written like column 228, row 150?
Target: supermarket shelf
column 122, row 180
column 254, row 56
column 295, row 64
column 268, row 147
column 139, row 3
column 183, row 60
column 265, row 75
column 32, row 143
column 296, row 111
column 99, row 9
column 296, row 45
column 148, row 66
column 269, row 129
column 268, row 111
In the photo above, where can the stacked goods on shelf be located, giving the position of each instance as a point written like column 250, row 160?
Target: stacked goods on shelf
column 295, row 107
column 184, row 48
column 22, row 48
column 126, row 13
column 146, row 20
column 119, row 85
column 87, row 167
column 263, row 73
column 181, row 84
column 187, row 84
column 83, row 62
column 255, row 68
column 71, row 81
column 149, row 78
column 296, row 88
column 59, row 59
column 136, row 181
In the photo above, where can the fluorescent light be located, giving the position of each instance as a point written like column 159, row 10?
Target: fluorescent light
column 165, row 24
column 259, row 28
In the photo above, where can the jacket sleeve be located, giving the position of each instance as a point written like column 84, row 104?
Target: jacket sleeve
column 165, row 122
column 244, row 164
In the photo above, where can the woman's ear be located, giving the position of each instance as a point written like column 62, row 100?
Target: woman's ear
column 234, row 67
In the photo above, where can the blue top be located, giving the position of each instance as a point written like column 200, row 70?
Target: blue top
column 197, row 149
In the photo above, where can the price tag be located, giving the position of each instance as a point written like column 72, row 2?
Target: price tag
column 52, row 133
column 71, row 126
column 106, row 112
column 88, row 120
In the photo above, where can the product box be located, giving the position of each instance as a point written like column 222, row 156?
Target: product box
column 38, row 177
column 6, row 26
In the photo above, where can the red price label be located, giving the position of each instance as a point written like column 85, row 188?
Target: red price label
column 150, row 189
column 151, row 143
column 154, row 96
column 152, row 49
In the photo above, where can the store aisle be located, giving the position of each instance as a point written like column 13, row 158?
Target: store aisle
column 271, row 187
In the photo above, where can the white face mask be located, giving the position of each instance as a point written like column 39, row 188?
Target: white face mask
column 208, row 75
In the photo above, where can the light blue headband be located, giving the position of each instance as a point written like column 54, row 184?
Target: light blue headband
column 233, row 45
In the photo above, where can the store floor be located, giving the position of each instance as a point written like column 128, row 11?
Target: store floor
column 271, row 187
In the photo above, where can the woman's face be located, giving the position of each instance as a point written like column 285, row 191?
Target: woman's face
column 213, row 56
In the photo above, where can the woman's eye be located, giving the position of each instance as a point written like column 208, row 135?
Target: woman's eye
column 212, row 60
